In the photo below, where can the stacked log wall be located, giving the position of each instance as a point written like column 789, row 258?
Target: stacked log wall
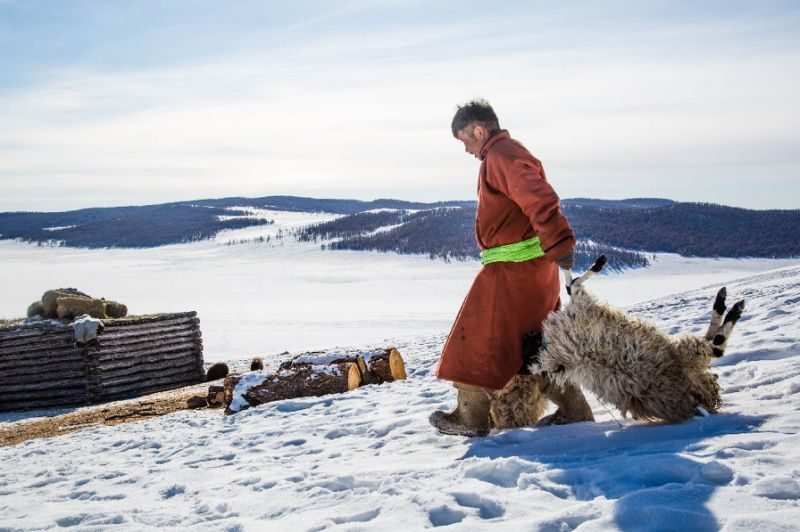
column 40, row 366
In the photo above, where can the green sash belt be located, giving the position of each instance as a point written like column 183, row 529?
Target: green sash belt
column 517, row 252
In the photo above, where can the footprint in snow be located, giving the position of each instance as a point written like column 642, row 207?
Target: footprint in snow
column 487, row 509
column 444, row 516
column 357, row 518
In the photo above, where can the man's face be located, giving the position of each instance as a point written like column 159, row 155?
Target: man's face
column 473, row 137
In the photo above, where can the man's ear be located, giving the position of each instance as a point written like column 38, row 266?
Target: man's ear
column 479, row 132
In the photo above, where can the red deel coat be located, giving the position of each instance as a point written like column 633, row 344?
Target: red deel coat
column 507, row 300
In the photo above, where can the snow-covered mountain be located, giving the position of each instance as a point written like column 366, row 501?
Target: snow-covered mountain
column 369, row 460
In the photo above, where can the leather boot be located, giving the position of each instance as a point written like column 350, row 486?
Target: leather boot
column 471, row 416
column 572, row 405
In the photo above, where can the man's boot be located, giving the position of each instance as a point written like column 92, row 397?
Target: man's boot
column 572, row 405
column 471, row 416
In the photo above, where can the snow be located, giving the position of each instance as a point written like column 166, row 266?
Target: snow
column 368, row 459
column 58, row 227
column 248, row 381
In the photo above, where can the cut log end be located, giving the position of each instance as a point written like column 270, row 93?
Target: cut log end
column 396, row 365
column 353, row 377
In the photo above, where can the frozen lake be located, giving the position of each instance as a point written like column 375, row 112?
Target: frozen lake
column 258, row 298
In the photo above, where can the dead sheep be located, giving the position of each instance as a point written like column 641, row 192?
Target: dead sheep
column 69, row 303
column 50, row 300
column 630, row 363
column 36, row 309
column 218, row 370
column 114, row 309
column 70, row 307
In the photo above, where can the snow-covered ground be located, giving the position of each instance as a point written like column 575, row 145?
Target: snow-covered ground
column 261, row 298
column 369, row 460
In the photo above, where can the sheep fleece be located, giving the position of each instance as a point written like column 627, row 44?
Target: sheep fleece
column 629, row 362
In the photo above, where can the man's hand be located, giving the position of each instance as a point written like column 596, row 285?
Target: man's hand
column 566, row 261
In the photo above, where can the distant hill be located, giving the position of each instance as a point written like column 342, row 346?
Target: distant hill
column 447, row 233
column 123, row 227
column 620, row 229
column 623, row 229
column 334, row 206
column 691, row 229
column 632, row 203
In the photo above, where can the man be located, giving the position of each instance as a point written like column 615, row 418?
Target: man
column 524, row 238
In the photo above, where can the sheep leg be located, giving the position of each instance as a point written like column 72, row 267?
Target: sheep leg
column 721, row 338
column 717, row 312
column 598, row 265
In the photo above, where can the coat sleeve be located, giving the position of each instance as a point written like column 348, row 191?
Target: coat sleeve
column 522, row 180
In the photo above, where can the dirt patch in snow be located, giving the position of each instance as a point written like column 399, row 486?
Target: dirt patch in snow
column 114, row 413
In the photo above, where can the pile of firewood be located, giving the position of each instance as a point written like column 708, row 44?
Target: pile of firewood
column 42, row 365
column 309, row 375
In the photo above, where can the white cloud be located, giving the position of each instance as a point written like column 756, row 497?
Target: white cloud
column 367, row 115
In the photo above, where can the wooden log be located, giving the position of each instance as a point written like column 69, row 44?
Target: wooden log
column 150, row 318
column 18, row 346
column 387, row 366
column 120, row 338
column 67, row 400
column 35, row 358
column 22, row 330
column 144, row 358
column 151, row 386
column 37, row 341
column 108, row 345
column 111, row 353
column 144, row 373
column 7, row 387
column 42, row 395
column 301, row 380
column 50, row 372
column 102, row 356
column 376, row 366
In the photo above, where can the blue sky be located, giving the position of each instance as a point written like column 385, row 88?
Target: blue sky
column 116, row 103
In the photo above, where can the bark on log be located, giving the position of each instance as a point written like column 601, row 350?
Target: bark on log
column 302, row 380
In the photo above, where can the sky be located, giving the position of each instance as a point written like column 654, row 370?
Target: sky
column 107, row 103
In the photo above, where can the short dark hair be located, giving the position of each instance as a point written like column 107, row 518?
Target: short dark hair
column 475, row 111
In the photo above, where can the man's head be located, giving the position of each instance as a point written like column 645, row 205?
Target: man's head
column 473, row 124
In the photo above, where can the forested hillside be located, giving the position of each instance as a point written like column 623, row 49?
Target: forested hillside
column 123, row 227
column 691, row 229
column 442, row 229
column 447, row 233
